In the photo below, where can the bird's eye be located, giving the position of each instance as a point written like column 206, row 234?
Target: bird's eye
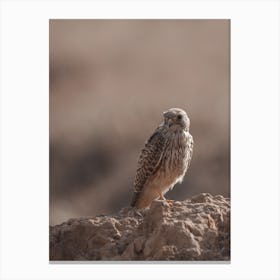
column 179, row 117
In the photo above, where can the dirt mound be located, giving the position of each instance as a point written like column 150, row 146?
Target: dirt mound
column 194, row 229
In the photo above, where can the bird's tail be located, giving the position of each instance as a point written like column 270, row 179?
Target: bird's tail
column 134, row 199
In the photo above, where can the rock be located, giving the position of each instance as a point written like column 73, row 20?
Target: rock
column 194, row 229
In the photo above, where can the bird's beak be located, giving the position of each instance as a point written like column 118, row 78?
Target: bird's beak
column 170, row 122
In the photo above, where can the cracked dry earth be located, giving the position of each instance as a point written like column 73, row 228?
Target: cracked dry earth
column 195, row 229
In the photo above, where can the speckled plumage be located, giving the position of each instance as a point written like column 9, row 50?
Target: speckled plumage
column 164, row 160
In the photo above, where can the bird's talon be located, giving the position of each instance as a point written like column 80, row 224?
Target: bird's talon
column 170, row 201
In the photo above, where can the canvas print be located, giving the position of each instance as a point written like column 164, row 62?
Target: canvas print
column 139, row 140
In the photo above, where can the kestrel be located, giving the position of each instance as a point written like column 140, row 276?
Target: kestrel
column 164, row 160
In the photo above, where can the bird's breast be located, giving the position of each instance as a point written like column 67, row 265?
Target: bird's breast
column 175, row 160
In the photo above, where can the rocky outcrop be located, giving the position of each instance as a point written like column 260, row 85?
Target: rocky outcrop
column 194, row 229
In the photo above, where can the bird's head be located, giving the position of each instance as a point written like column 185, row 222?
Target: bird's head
column 176, row 119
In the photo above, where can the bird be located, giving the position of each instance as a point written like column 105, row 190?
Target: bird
column 164, row 160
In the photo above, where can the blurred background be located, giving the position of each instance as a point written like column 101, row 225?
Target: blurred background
column 110, row 81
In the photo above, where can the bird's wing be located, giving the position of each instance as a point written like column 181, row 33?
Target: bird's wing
column 149, row 158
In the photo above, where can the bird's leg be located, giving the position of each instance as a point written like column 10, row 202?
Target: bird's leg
column 169, row 201
column 161, row 196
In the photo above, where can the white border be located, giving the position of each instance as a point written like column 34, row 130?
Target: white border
column 255, row 138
